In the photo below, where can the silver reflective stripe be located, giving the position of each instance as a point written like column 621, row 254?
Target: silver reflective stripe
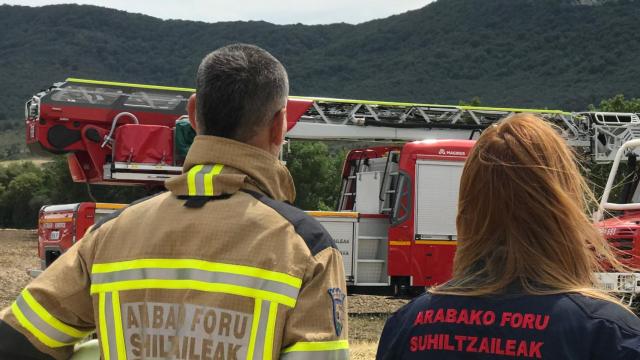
column 258, row 350
column 342, row 354
column 111, row 326
column 200, row 179
column 42, row 325
column 197, row 275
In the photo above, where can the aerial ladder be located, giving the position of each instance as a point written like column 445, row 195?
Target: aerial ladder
column 117, row 133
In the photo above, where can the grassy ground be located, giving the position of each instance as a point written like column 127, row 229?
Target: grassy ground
column 364, row 332
column 363, row 350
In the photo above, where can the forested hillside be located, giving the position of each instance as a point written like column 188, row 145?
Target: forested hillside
column 528, row 53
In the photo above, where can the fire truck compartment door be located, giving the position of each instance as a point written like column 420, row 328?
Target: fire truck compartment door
column 148, row 144
column 437, row 185
column 343, row 230
column 367, row 192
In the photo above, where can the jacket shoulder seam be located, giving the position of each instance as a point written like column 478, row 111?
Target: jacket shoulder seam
column 309, row 229
column 594, row 315
column 116, row 214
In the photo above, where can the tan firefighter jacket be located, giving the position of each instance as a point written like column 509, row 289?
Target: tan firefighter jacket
column 218, row 267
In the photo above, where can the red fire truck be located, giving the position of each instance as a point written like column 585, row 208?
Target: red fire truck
column 395, row 222
column 60, row 226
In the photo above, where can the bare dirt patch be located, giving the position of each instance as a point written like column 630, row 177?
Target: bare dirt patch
column 18, row 253
column 373, row 304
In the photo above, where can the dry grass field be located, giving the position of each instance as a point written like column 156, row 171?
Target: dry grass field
column 367, row 314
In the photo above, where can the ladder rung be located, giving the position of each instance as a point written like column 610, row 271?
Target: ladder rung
column 390, row 191
column 349, row 194
column 351, row 177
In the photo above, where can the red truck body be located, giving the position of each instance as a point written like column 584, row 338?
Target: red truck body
column 60, row 226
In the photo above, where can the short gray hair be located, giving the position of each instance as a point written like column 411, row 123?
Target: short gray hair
column 240, row 88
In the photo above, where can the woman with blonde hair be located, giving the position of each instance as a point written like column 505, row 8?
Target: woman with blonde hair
column 523, row 274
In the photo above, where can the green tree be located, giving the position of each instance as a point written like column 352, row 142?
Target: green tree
column 25, row 188
column 18, row 208
column 475, row 101
column 619, row 103
column 316, row 173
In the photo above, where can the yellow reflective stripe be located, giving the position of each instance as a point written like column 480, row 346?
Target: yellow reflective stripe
column 271, row 329
column 25, row 323
column 342, row 214
column 208, row 179
column 400, row 243
column 142, row 86
column 191, row 179
column 117, row 322
column 318, row 346
column 50, row 319
column 57, row 220
column 193, row 285
column 104, row 335
column 436, row 242
column 257, row 309
column 110, row 206
column 199, row 265
column 367, row 102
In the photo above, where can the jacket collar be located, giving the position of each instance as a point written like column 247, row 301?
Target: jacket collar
column 215, row 166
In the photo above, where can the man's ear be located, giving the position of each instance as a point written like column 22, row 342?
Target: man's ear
column 279, row 127
column 191, row 111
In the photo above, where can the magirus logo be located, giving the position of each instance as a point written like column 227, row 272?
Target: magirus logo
column 444, row 152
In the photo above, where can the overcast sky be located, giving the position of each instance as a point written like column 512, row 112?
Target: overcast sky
column 274, row 11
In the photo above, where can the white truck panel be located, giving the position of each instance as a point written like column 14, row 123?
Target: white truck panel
column 343, row 230
column 368, row 191
column 437, row 186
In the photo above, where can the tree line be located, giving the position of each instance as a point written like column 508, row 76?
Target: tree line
column 25, row 186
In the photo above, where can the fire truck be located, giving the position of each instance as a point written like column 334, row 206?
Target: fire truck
column 395, row 221
column 60, row 226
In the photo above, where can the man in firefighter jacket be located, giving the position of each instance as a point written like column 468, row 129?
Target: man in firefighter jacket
column 218, row 267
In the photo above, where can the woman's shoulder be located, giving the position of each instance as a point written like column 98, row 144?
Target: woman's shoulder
column 608, row 311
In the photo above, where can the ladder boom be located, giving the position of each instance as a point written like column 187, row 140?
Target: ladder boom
column 92, row 121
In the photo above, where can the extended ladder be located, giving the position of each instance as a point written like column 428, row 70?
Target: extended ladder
column 598, row 135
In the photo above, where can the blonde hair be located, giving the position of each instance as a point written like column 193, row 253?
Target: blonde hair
column 522, row 217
